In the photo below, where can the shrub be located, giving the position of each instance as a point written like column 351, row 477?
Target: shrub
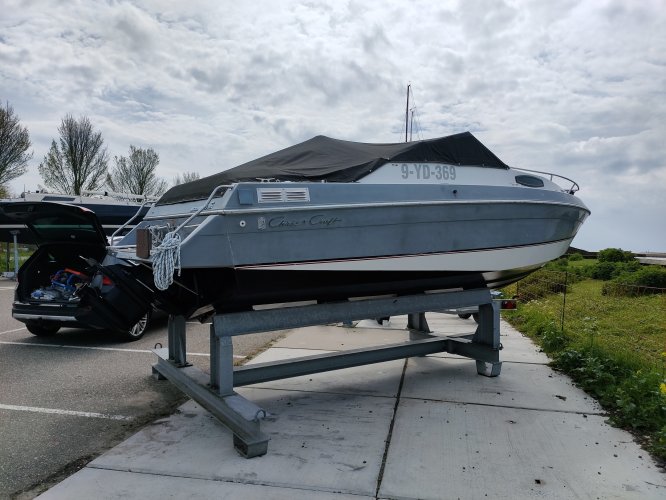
column 639, row 404
column 609, row 270
column 648, row 276
column 575, row 257
column 614, row 255
column 557, row 265
column 602, row 271
column 645, row 280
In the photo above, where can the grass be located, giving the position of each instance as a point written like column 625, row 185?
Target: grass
column 612, row 347
column 25, row 251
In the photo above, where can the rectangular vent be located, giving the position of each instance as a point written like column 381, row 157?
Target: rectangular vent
column 282, row 195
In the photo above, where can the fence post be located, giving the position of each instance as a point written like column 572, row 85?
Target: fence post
column 564, row 300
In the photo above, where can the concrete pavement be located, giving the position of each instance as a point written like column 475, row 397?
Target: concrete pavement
column 426, row 427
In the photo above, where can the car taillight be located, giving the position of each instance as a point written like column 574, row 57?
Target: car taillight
column 509, row 304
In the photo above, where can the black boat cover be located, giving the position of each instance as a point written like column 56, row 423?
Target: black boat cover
column 324, row 159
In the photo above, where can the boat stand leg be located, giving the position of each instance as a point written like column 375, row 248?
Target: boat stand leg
column 214, row 392
column 221, row 363
column 177, row 342
column 488, row 334
column 247, row 436
column 418, row 326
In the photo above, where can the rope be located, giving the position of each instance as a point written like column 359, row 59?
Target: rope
column 166, row 259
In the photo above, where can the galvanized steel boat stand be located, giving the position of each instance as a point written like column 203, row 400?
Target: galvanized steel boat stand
column 242, row 417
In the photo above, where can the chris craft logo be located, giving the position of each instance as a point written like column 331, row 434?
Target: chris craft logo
column 319, row 220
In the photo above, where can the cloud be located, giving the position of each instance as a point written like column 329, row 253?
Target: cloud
column 576, row 87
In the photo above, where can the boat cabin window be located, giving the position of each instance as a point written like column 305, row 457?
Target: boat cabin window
column 529, row 181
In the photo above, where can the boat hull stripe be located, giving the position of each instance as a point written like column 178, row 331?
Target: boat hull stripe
column 496, row 259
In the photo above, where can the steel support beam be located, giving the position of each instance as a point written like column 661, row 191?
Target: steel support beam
column 216, row 391
column 233, row 410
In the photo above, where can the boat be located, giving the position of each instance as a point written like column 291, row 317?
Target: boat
column 113, row 210
column 332, row 220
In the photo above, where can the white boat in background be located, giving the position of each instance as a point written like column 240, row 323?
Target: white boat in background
column 112, row 209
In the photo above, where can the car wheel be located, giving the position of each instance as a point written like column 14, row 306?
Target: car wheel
column 43, row 330
column 137, row 331
column 465, row 315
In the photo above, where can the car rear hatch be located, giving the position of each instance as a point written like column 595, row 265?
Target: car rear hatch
column 63, row 277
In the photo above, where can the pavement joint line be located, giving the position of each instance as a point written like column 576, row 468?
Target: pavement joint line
column 94, row 348
column 201, row 477
column 72, row 413
column 414, row 398
column 14, row 330
column 387, row 443
column 513, row 407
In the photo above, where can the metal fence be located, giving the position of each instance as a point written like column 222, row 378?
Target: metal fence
column 546, row 282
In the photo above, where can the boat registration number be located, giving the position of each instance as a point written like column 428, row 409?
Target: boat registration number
column 427, row 171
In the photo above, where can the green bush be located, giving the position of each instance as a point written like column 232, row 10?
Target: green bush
column 614, row 255
column 557, row 265
column 630, row 284
column 639, row 403
column 602, row 271
column 608, row 270
column 647, row 276
column 575, row 257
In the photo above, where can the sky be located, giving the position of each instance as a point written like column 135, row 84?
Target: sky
column 577, row 88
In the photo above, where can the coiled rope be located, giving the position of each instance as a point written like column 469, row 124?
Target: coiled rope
column 166, row 259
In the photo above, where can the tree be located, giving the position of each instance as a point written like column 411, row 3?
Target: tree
column 80, row 163
column 135, row 173
column 14, row 144
column 187, row 177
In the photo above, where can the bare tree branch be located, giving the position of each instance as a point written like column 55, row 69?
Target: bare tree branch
column 14, row 144
column 187, row 177
column 135, row 173
column 80, row 163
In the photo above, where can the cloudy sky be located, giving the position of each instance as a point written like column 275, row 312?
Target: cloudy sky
column 573, row 87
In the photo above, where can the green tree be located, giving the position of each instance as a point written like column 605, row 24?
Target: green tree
column 135, row 173
column 79, row 163
column 14, row 144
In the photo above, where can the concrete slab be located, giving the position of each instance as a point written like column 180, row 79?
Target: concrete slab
column 319, row 442
column 449, row 450
column 337, row 338
column 520, row 385
column 518, row 348
column 528, row 433
column 109, row 484
column 379, row 379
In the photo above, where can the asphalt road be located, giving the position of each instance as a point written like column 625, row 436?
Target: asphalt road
column 68, row 398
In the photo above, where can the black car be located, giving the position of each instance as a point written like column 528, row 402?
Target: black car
column 62, row 283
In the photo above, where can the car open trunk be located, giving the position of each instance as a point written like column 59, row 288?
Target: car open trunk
column 48, row 260
column 63, row 282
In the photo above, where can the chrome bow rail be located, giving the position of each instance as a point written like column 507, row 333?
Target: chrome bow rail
column 571, row 190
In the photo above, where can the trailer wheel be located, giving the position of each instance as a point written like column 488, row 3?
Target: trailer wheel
column 43, row 330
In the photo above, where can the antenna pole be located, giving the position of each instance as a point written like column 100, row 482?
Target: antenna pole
column 407, row 112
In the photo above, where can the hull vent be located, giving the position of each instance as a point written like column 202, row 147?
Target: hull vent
column 282, row 195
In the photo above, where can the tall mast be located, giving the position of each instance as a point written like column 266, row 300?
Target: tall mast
column 407, row 112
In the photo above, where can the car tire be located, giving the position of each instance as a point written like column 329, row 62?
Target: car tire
column 465, row 315
column 43, row 330
column 137, row 331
